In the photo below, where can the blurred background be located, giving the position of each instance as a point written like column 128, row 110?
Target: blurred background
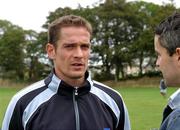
column 122, row 49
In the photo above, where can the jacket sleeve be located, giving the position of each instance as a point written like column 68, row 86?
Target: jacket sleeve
column 172, row 122
column 124, row 122
column 12, row 119
column 127, row 125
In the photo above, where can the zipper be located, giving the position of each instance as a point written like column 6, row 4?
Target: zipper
column 75, row 96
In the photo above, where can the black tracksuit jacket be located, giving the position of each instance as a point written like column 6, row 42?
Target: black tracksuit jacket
column 52, row 104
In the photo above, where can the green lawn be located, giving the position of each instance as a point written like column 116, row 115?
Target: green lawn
column 145, row 105
column 5, row 96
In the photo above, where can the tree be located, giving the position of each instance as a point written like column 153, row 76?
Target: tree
column 35, row 54
column 12, row 51
column 112, row 38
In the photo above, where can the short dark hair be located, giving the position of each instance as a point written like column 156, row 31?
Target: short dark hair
column 169, row 33
column 66, row 21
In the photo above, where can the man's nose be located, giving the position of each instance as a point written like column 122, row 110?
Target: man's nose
column 78, row 52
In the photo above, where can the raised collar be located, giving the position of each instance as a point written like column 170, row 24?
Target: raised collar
column 60, row 87
column 174, row 100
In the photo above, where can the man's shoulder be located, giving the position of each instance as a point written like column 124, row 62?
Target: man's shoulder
column 109, row 96
column 175, row 114
column 107, row 90
column 103, row 86
column 31, row 87
column 22, row 98
column 172, row 121
column 27, row 90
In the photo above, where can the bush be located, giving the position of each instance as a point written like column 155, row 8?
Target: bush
column 152, row 74
column 103, row 76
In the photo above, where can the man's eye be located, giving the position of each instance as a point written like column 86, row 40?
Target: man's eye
column 85, row 46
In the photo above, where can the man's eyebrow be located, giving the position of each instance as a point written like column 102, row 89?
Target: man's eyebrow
column 69, row 42
column 74, row 43
column 86, row 42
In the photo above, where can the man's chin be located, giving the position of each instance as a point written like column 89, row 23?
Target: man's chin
column 77, row 76
column 171, row 83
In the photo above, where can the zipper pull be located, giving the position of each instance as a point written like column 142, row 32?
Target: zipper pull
column 76, row 91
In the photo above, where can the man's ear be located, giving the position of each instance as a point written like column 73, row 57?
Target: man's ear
column 50, row 49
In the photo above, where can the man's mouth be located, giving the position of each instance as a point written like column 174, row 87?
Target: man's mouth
column 77, row 64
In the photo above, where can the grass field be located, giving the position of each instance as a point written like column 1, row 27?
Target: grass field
column 145, row 105
column 5, row 96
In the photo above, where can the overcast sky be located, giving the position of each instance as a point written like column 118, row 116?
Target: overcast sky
column 31, row 14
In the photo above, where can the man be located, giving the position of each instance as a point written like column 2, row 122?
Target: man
column 67, row 99
column 167, row 47
column 163, row 88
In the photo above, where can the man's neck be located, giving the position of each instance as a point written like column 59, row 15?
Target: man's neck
column 75, row 82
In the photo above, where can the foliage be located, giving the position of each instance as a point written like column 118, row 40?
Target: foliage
column 35, row 55
column 21, row 52
column 11, row 48
column 103, row 76
column 122, row 38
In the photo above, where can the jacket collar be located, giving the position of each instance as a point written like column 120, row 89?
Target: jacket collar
column 61, row 87
column 174, row 100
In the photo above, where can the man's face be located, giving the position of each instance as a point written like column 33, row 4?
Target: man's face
column 168, row 65
column 72, row 53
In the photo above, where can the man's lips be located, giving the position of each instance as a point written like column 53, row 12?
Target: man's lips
column 78, row 65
